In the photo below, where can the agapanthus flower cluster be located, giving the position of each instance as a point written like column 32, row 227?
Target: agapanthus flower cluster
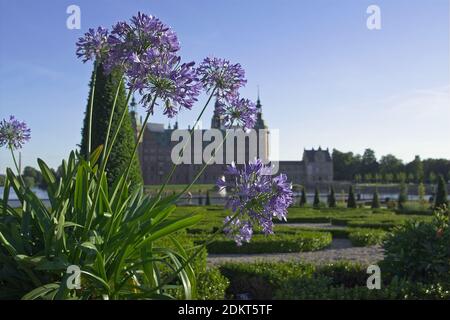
column 94, row 45
column 146, row 50
column 256, row 197
column 173, row 83
column 141, row 43
column 222, row 76
column 238, row 112
column 14, row 133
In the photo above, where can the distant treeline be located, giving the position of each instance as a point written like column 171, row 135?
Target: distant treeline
column 366, row 168
column 33, row 177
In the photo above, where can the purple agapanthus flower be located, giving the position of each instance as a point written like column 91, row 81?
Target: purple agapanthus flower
column 173, row 83
column 221, row 75
column 94, row 45
column 256, row 198
column 238, row 112
column 145, row 49
column 138, row 45
column 14, row 133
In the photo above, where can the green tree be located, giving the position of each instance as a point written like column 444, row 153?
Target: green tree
column 208, row 200
column 415, row 168
column 401, row 177
column 105, row 92
column 441, row 193
column 375, row 200
column 200, row 198
column 402, row 196
column 390, row 164
column 2, row 180
column 29, row 181
column 388, row 177
column 369, row 164
column 316, row 203
column 303, row 198
column 432, row 177
column 421, row 192
column 367, row 177
column 351, row 201
column 332, row 198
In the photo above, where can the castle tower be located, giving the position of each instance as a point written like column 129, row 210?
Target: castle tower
column 263, row 141
column 216, row 121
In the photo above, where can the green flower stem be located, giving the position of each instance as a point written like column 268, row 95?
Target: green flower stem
column 111, row 117
column 116, row 133
column 103, row 164
column 141, row 133
column 182, row 150
column 91, row 107
column 186, row 189
column 16, row 165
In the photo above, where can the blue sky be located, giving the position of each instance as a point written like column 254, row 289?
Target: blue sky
column 325, row 79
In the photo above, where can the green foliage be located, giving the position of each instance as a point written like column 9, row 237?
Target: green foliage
column 2, row 180
column 403, row 195
column 421, row 192
column 211, row 285
column 29, row 182
column 332, row 198
column 104, row 95
column 262, row 279
column 316, row 203
column 111, row 238
column 200, row 198
column 208, row 200
column 375, row 200
column 366, row 237
column 319, row 288
column 299, row 241
column 292, row 280
column 441, row 194
column 419, row 251
column 351, row 202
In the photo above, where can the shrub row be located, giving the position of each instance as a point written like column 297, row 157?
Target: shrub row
column 290, row 280
column 366, row 237
column 277, row 243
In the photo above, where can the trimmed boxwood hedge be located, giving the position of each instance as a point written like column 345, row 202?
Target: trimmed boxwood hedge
column 295, row 280
column 366, row 237
column 277, row 243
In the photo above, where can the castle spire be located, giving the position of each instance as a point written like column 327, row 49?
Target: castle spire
column 258, row 101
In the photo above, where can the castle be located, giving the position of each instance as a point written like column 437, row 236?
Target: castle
column 156, row 146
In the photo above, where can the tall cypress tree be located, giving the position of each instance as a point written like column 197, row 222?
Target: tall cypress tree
column 303, row 198
column 105, row 91
column 402, row 196
column 316, row 203
column 441, row 193
column 375, row 200
column 208, row 200
column 351, row 202
column 332, row 198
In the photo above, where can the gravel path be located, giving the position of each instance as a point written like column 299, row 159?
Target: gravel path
column 339, row 250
